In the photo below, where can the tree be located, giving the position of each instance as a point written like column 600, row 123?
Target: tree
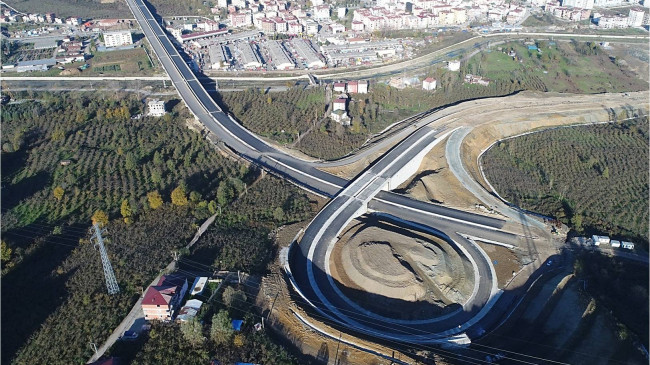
column 192, row 332
column 195, row 196
column 58, row 193
column 278, row 214
column 221, row 330
column 131, row 161
column 5, row 251
column 154, row 199
column 126, row 211
column 100, row 217
column 238, row 341
column 225, row 193
column 179, row 197
column 234, row 298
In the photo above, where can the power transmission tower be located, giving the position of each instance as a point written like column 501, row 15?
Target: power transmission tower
column 111, row 282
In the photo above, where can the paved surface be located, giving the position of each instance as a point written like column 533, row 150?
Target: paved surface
column 455, row 162
column 310, row 261
column 310, row 266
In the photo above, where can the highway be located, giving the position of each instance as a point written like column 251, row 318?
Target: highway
column 310, row 267
column 310, row 263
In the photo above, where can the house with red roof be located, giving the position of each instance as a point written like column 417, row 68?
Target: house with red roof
column 162, row 300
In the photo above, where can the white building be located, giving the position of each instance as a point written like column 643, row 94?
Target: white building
column 156, row 108
column 118, row 38
column 600, row 239
column 583, row 4
column 627, row 245
column 453, row 65
column 341, row 12
column 635, row 17
column 615, row 243
column 429, row 83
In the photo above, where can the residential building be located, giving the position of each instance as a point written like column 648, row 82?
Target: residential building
column 635, row 17
column 453, row 65
column 615, row 243
column 362, row 87
column 162, row 300
column 339, row 87
column 240, row 19
column 429, row 83
column 339, row 104
column 156, row 108
column 321, row 12
column 582, row 4
column 189, row 310
column 118, row 38
column 340, row 116
column 353, row 87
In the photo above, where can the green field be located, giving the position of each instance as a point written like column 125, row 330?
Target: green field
column 574, row 67
column 594, row 178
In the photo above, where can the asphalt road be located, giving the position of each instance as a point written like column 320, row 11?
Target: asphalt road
column 310, row 264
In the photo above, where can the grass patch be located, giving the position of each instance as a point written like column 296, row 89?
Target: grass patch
column 574, row 67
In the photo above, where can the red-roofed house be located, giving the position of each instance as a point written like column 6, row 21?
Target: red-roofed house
column 160, row 301
column 339, row 87
column 429, row 83
column 353, row 87
column 339, row 104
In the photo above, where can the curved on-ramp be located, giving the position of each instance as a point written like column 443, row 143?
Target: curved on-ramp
column 310, row 264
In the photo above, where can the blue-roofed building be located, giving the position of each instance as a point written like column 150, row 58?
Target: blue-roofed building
column 532, row 48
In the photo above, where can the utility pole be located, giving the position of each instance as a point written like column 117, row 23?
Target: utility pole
column 111, row 282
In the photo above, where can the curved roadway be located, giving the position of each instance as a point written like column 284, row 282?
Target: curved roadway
column 362, row 193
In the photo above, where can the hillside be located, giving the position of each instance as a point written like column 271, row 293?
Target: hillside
column 594, row 178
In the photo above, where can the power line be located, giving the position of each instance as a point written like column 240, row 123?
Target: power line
column 409, row 328
column 449, row 354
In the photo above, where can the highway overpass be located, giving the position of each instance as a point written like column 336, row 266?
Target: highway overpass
column 368, row 191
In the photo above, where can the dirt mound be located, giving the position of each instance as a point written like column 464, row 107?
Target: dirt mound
column 382, row 266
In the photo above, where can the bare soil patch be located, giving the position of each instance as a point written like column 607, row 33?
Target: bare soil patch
column 505, row 261
column 382, row 267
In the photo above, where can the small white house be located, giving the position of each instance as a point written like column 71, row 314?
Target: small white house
column 339, row 104
column 627, row 245
column 199, row 285
column 429, row 83
column 615, row 243
column 156, row 108
column 600, row 239
column 453, row 65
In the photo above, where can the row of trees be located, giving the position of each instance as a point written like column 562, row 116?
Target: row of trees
column 595, row 188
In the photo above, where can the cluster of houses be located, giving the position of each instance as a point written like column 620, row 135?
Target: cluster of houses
column 339, row 112
column 163, row 301
column 10, row 16
column 578, row 10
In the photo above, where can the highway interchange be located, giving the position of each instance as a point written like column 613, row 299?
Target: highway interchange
column 309, row 263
